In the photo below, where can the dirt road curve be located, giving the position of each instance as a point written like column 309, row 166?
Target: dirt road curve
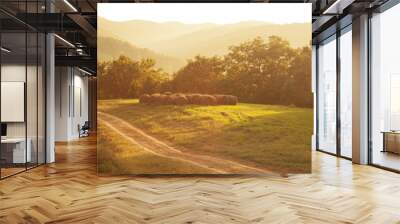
column 157, row 147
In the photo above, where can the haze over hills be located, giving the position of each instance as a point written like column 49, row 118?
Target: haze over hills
column 141, row 33
column 216, row 40
column 112, row 48
column 183, row 41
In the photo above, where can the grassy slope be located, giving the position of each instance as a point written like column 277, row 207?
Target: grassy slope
column 273, row 137
column 117, row 155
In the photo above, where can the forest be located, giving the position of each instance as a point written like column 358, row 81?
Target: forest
column 262, row 71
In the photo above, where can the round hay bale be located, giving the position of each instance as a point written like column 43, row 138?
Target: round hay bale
column 211, row 100
column 154, row 98
column 226, row 99
column 196, row 99
column 232, row 100
column 169, row 100
column 201, row 100
column 207, row 100
column 162, row 99
column 181, row 100
column 144, row 98
column 150, row 99
column 189, row 98
column 220, row 99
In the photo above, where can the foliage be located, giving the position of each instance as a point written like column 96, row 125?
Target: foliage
column 126, row 78
column 200, row 75
column 269, row 72
column 257, row 71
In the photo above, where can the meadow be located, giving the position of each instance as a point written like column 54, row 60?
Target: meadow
column 270, row 137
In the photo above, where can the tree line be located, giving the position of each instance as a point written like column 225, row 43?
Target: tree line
column 257, row 71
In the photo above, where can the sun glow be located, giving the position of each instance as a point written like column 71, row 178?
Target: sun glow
column 197, row 13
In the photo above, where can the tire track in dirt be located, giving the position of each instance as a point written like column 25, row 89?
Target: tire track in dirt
column 154, row 151
column 159, row 148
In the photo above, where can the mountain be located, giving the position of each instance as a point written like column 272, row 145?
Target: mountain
column 187, row 40
column 142, row 33
column 111, row 48
column 216, row 40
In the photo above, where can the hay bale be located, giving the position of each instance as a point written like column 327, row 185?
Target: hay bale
column 180, row 100
column 226, row 99
column 169, row 99
column 201, row 100
column 154, row 98
column 177, row 98
column 144, row 98
column 211, row 100
column 162, row 99
column 207, row 100
column 151, row 99
column 190, row 98
column 196, row 99
column 232, row 100
column 220, row 99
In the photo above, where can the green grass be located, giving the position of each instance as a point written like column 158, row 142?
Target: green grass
column 274, row 137
column 117, row 155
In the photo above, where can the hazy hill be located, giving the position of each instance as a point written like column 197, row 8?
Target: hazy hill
column 141, row 33
column 187, row 40
column 111, row 48
column 216, row 40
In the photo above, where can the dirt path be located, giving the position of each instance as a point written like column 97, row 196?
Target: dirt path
column 157, row 147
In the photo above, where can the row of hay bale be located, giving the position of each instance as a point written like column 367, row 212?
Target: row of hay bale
column 184, row 99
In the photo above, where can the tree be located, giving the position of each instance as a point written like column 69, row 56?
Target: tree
column 126, row 78
column 300, row 77
column 199, row 75
column 257, row 70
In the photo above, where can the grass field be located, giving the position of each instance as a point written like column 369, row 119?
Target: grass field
column 119, row 156
column 276, row 138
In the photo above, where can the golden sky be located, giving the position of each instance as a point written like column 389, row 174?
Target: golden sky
column 196, row 13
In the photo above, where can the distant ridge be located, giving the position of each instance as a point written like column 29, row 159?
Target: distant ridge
column 112, row 48
column 184, row 41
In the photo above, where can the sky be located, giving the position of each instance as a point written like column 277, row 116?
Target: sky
column 197, row 13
